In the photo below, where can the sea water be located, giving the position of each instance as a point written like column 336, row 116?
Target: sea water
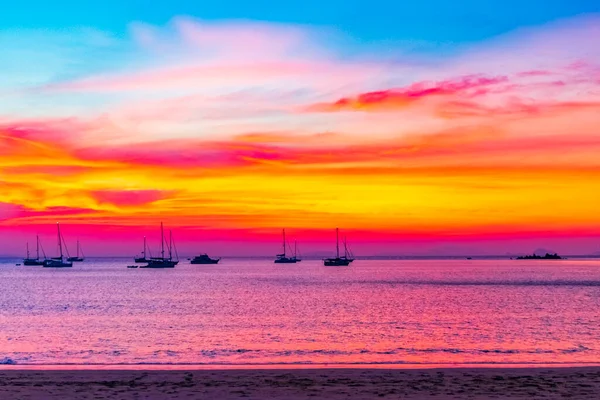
column 254, row 312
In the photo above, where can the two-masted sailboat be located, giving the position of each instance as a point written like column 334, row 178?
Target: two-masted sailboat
column 339, row 261
column 36, row 260
column 58, row 262
column 77, row 258
column 162, row 261
column 283, row 258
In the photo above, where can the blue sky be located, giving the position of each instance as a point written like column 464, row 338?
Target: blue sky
column 433, row 21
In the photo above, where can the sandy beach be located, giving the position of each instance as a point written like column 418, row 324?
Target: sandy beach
column 517, row 383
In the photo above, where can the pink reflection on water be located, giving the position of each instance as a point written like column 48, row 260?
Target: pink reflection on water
column 255, row 313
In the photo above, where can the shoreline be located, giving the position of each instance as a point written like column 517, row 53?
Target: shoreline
column 294, row 383
column 307, row 366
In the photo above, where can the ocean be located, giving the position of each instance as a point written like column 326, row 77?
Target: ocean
column 254, row 312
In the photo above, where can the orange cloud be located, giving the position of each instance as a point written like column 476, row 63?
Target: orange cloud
column 128, row 198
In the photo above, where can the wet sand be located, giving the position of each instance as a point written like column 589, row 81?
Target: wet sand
column 492, row 383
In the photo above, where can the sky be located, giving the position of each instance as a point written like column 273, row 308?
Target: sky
column 429, row 128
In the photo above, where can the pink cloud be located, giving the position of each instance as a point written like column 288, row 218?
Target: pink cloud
column 403, row 97
column 534, row 73
column 128, row 198
column 10, row 211
column 455, row 109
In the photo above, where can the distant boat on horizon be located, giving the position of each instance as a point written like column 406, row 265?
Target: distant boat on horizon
column 283, row 258
column 338, row 261
column 162, row 261
column 35, row 261
column 204, row 259
column 77, row 258
column 143, row 258
column 58, row 262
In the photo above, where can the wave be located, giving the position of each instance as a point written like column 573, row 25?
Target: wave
column 433, row 282
column 594, row 362
column 219, row 357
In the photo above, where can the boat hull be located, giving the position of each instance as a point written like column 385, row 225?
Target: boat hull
column 201, row 262
column 337, row 262
column 160, row 264
column 57, row 264
column 141, row 260
column 33, row 262
column 75, row 259
column 286, row 261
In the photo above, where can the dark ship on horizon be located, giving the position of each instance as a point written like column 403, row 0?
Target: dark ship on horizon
column 339, row 261
column 162, row 261
column 35, row 261
column 143, row 258
column 204, row 259
column 59, row 262
column 77, row 258
column 283, row 258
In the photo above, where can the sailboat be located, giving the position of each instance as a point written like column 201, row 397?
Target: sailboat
column 162, row 261
column 338, row 261
column 36, row 260
column 58, row 262
column 283, row 258
column 77, row 258
column 143, row 258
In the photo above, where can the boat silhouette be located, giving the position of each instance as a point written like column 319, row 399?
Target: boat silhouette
column 283, row 258
column 339, row 261
column 143, row 258
column 58, row 262
column 204, row 259
column 162, row 261
column 35, row 261
column 77, row 258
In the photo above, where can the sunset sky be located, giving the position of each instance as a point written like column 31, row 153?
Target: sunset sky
column 422, row 128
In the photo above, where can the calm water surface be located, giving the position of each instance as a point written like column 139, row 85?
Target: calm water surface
column 257, row 312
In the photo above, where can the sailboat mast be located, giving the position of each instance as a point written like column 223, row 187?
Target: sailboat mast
column 337, row 242
column 345, row 248
column 162, row 241
column 284, row 242
column 27, row 249
column 170, row 244
column 37, row 247
column 59, row 240
column 144, row 247
column 77, row 248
